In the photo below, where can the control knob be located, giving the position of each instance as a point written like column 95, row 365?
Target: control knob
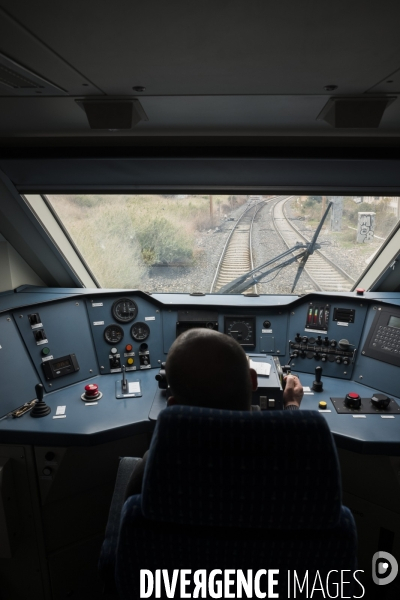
column 326, row 341
column 380, row 401
column 352, row 400
column 319, row 340
column 324, row 357
column 333, row 343
column 304, row 339
column 344, row 345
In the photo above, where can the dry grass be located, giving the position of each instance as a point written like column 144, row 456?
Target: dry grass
column 110, row 230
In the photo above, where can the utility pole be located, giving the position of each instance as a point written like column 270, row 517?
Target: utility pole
column 336, row 213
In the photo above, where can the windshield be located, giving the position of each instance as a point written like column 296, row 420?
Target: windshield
column 201, row 243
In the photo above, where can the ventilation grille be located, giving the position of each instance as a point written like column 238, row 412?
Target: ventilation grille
column 16, row 80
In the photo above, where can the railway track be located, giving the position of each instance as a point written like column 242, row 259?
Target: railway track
column 322, row 271
column 237, row 257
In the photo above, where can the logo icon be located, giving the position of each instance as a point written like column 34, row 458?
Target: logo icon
column 384, row 568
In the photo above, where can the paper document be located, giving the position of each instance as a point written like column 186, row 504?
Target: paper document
column 134, row 387
column 261, row 368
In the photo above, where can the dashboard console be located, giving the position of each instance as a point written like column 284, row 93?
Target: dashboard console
column 116, row 341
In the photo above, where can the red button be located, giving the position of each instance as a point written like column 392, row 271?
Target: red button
column 92, row 389
column 128, row 347
column 360, row 291
column 353, row 395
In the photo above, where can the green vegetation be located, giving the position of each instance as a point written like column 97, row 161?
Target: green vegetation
column 121, row 236
column 311, row 209
column 162, row 242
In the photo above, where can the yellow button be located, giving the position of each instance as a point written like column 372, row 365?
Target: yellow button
column 322, row 404
column 130, row 361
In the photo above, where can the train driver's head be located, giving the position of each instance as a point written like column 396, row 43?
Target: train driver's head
column 209, row 369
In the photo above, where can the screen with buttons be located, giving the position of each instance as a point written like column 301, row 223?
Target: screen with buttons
column 383, row 341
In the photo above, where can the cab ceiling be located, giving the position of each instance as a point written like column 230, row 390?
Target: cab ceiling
column 209, row 68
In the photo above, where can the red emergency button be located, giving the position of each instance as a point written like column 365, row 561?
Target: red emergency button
column 128, row 348
column 91, row 393
column 352, row 400
column 360, row 291
column 92, row 389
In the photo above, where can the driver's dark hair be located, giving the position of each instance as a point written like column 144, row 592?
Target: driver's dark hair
column 209, row 369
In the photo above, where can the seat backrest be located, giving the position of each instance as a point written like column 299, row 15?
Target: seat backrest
column 237, row 490
column 228, row 468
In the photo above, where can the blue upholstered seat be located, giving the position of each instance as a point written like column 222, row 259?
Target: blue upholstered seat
column 237, row 490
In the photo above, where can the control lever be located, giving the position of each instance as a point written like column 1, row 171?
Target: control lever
column 124, row 382
column 40, row 409
column 286, row 370
column 161, row 377
column 317, row 385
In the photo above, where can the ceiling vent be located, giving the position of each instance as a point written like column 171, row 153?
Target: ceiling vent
column 355, row 112
column 16, row 80
column 113, row 114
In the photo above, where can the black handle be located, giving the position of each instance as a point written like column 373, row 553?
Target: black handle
column 39, row 391
column 318, row 374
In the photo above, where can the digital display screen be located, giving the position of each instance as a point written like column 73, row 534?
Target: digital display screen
column 394, row 322
column 61, row 364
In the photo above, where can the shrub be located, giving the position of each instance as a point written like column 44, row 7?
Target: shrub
column 163, row 242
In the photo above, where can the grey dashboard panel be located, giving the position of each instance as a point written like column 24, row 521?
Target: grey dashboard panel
column 271, row 339
column 18, row 376
column 99, row 309
column 378, row 374
column 335, row 331
column 66, row 328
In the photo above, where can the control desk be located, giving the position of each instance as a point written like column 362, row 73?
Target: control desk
column 69, row 340
column 58, row 470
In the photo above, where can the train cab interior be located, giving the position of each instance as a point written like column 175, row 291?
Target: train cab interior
column 170, row 165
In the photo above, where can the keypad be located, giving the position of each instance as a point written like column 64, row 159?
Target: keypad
column 387, row 339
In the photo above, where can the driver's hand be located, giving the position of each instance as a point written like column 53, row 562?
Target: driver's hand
column 293, row 392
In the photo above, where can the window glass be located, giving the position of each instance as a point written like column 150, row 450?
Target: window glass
column 203, row 243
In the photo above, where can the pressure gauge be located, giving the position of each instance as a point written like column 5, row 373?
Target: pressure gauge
column 140, row 332
column 113, row 334
column 124, row 310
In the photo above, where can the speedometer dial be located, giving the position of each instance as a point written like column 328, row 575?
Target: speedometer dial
column 242, row 329
column 113, row 334
column 140, row 332
column 124, row 310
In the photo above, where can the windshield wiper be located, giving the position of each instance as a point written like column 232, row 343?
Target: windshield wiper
column 243, row 282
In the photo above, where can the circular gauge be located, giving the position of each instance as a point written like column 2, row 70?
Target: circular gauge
column 140, row 332
column 241, row 329
column 124, row 310
column 113, row 334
